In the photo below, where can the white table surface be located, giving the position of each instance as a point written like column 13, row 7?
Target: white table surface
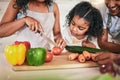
column 6, row 72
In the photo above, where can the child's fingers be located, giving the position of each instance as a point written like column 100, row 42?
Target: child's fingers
column 81, row 58
column 84, row 43
column 88, row 44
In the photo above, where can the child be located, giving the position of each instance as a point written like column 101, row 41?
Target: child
column 29, row 16
column 85, row 24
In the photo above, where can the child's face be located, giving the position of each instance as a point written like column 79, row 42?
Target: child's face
column 79, row 27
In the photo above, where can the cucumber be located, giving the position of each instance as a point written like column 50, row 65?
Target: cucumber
column 80, row 49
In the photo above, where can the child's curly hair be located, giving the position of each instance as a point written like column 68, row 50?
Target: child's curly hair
column 93, row 16
column 22, row 4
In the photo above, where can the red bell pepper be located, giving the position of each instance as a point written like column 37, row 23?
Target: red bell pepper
column 26, row 43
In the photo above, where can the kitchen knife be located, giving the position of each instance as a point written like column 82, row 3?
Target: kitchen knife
column 47, row 38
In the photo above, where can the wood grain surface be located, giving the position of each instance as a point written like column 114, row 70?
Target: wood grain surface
column 58, row 62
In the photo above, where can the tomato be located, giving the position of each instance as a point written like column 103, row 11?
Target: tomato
column 26, row 43
column 49, row 56
column 56, row 50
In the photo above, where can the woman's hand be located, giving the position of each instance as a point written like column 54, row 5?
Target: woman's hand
column 108, row 62
column 105, row 57
column 88, row 44
column 33, row 24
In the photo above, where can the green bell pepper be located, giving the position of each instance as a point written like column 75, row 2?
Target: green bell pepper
column 36, row 56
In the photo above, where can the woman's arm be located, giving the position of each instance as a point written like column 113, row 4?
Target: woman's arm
column 8, row 24
column 56, row 29
column 104, row 44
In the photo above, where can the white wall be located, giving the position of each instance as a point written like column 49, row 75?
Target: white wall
column 65, row 6
column 3, row 0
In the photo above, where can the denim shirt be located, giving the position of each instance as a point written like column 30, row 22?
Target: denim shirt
column 112, row 23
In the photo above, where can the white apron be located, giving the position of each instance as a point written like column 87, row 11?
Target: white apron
column 46, row 20
column 71, row 40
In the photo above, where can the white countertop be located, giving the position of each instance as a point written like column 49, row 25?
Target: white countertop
column 6, row 73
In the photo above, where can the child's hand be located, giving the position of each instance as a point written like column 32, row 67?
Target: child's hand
column 61, row 43
column 88, row 44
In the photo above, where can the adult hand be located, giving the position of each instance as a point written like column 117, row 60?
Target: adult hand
column 33, row 24
column 105, row 57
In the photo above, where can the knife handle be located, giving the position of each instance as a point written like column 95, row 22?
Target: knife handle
column 39, row 31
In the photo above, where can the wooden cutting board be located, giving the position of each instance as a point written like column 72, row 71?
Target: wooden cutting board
column 58, row 62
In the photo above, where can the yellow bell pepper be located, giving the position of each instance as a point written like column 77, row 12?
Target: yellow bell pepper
column 15, row 54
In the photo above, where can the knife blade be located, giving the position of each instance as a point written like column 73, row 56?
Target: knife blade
column 47, row 38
